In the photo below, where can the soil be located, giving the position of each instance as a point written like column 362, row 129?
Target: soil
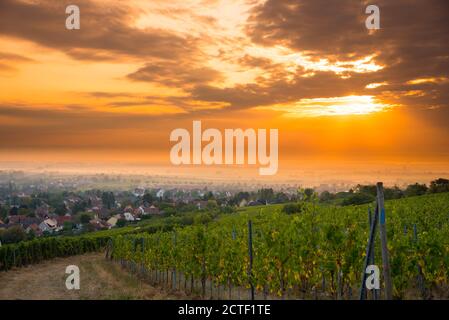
column 99, row 279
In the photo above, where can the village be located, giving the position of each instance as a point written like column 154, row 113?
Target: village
column 40, row 214
column 35, row 210
column 33, row 206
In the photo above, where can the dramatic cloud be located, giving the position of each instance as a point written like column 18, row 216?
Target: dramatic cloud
column 106, row 30
column 174, row 73
column 413, row 41
column 140, row 67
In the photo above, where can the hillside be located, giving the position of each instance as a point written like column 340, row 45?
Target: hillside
column 317, row 252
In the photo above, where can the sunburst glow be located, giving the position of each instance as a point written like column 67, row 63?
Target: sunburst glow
column 336, row 106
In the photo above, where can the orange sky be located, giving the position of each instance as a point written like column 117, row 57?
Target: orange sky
column 136, row 70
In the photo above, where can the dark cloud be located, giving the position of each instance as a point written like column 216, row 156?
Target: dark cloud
column 105, row 30
column 176, row 73
column 413, row 41
column 281, row 90
column 5, row 56
column 69, row 125
column 8, row 61
column 102, row 94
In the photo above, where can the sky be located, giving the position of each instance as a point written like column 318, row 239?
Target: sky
column 114, row 90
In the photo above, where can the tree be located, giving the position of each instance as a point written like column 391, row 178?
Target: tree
column 367, row 189
column 439, row 185
column 108, row 199
column 68, row 226
column 31, row 235
column 281, row 197
column 292, row 208
column 121, row 223
column 326, row 196
column 265, row 195
column 35, row 202
column 392, row 193
column 61, row 209
column 13, row 211
column 85, row 218
column 147, row 198
column 236, row 199
column 13, row 234
column 212, row 204
column 25, row 212
column 79, row 206
column 308, row 192
column 3, row 212
column 415, row 190
column 208, row 196
column 358, row 198
column 31, row 214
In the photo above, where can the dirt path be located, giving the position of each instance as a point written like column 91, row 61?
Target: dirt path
column 99, row 279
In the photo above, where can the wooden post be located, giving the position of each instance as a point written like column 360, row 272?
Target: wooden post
column 142, row 251
column 250, row 252
column 383, row 241
column 368, row 255
column 372, row 257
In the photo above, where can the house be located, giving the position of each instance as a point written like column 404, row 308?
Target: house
column 42, row 211
column 18, row 219
column 140, row 211
column 99, row 224
column 112, row 221
column 62, row 219
column 48, row 225
column 35, row 228
column 243, row 203
column 201, row 204
column 152, row 210
column 160, row 193
column 96, row 201
column 102, row 213
column 139, row 192
column 128, row 216
column 28, row 221
column 128, row 209
column 95, row 209
column 256, row 203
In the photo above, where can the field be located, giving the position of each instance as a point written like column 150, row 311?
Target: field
column 317, row 253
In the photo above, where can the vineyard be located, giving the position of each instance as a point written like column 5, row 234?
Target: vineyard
column 315, row 254
column 318, row 253
column 30, row 252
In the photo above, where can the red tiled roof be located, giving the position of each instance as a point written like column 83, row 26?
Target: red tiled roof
column 16, row 219
column 62, row 219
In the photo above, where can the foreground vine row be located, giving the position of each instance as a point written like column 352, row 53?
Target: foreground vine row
column 319, row 251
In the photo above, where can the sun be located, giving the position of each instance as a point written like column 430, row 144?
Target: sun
column 335, row 106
